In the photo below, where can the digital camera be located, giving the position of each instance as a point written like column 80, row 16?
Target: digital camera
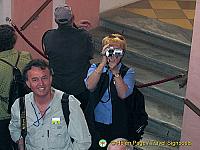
column 112, row 51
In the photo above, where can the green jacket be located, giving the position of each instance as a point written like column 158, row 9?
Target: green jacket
column 6, row 76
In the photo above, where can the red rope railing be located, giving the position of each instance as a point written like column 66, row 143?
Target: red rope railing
column 25, row 39
column 192, row 106
column 35, row 14
column 160, row 81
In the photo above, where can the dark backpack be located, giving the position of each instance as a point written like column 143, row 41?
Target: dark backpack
column 137, row 116
column 18, row 86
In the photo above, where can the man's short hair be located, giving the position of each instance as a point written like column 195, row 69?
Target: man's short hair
column 63, row 15
column 7, row 37
column 40, row 63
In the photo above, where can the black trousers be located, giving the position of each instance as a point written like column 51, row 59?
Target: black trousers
column 108, row 133
column 5, row 139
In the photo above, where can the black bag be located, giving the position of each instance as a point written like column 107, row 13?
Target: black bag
column 18, row 86
column 138, row 118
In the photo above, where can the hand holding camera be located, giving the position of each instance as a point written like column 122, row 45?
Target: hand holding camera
column 113, row 51
column 111, row 56
column 110, row 51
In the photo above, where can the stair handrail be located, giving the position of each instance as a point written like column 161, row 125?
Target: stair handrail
column 192, row 106
column 35, row 15
column 25, row 39
column 160, row 81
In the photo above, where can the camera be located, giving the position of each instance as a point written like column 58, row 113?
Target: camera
column 112, row 51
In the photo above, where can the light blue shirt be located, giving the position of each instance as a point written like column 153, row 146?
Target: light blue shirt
column 103, row 111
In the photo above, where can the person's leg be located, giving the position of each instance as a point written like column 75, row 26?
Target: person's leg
column 5, row 139
column 103, row 131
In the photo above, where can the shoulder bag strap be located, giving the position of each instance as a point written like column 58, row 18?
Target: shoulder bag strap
column 15, row 66
column 7, row 62
column 23, row 119
column 65, row 107
column 18, row 56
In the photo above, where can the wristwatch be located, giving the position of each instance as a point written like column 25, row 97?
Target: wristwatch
column 116, row 75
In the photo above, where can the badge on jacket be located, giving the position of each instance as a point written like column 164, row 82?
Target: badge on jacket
column 55, row 120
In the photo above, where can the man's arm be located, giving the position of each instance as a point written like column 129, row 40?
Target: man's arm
column 78, row 129
column 14, row 125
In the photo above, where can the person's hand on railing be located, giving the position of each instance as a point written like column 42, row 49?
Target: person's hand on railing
column 183, row 81
column 85, row 24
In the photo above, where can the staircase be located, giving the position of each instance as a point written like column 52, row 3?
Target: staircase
column 156, row 51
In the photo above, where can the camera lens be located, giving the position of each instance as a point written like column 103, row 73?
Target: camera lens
column 109, row 51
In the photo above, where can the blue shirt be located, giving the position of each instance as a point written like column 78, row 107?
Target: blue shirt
column 103, row 111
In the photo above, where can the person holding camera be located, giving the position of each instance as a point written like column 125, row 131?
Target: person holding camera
column 110, row 83
column 69, row 50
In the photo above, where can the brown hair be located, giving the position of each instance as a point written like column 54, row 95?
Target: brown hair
column 114, row 39
column 7, row 37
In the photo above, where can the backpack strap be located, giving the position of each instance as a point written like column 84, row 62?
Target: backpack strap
column 18, row 56
column 23, row 118
column 7, row 62
column 123, row 70
column 104, row 79
column 65, row 107
column 15, row 66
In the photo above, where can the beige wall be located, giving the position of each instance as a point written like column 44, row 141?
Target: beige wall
column 21, row 11
column 111, row 4
column 191, row 122
column 5, row 10
column 86, row 9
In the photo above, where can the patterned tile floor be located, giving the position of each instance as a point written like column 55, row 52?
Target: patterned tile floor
column 176, row 12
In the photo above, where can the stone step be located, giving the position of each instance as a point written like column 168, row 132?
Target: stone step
column 145, row 54
column 166, row 113
column 164, row 121
column 149, row 30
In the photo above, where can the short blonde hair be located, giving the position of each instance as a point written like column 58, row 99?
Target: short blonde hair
column 114, row 39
